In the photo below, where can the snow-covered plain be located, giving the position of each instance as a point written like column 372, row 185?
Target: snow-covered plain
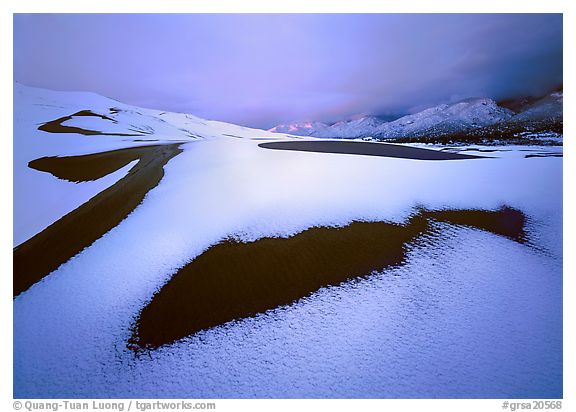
column 470, row 314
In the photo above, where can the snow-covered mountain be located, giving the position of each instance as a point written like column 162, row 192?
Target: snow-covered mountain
column 364, row 126
column 367, row 125
column 302, row 128
column 445, row 118
column 547, row 108
column 467, row 116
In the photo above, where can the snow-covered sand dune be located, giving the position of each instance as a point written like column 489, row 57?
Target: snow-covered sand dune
column 469, row 314
column 232, row 280
column 63, row 239
column 113, row 125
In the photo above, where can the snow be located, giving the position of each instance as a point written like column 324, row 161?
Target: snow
column 33, row 107
column 548, row 108
column 394, row 343
column 470, row 113
column 444, row 118
column 64, row 197
column 448, row 117
column 471, row 314
column 304, row 129
column 545, row 136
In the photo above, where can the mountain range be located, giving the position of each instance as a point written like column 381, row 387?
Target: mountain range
column 465, row 120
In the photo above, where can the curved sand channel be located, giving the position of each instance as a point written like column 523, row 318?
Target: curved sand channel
column 43, row 253
column 233, row 280
column 366, row 149
column 56, row 126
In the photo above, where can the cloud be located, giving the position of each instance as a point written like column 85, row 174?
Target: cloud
column 264, row 69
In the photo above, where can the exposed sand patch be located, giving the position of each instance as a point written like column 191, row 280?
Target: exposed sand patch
column 232, row 280
column 88, row 167
column 528, row 156
column 367, row 149
column 43, row 253
column 56, row 126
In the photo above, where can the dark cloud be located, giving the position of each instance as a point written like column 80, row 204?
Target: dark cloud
column 264, row 69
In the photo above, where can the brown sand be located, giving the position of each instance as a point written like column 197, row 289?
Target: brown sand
column 367, row 149
column 88, row 167
column 56, row 126
column 47, row 250
column 233, row 280
column 528, row 156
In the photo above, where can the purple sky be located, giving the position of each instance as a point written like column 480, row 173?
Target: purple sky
column 261, row 70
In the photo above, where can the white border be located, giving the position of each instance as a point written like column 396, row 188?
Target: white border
column 288, row 6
